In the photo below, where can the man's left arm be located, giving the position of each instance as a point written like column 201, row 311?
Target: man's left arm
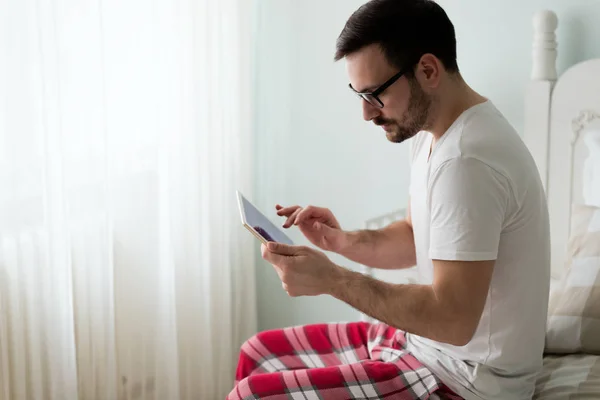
column 447, row 311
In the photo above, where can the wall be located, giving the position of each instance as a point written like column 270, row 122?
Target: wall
column 312, row 146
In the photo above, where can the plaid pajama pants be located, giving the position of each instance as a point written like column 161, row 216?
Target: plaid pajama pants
column 333, row 361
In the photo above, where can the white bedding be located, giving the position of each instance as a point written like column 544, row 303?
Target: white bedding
column 554, row 284
column 566, row 377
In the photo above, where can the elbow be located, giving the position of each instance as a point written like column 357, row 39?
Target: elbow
column 459, row 334
column 456, row 325
column 460, row 341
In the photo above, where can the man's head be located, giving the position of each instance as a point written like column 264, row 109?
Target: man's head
column 399, row 53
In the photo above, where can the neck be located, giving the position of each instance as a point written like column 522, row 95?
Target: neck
column 458, row 98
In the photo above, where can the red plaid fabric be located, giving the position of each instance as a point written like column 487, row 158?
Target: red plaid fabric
column 333, row 361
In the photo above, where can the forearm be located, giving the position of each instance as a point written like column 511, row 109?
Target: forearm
column 392, row 247
column 412, row 308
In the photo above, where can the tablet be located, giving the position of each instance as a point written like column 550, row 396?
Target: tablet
column 258, row 224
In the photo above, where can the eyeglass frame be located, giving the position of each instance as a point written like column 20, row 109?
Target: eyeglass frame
column 375, row 93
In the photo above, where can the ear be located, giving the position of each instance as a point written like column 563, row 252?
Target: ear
column 429, row 71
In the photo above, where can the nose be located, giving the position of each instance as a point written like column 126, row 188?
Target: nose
column 369, row 110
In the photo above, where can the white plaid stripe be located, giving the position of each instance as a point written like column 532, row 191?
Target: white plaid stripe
column 365, row 384
column 298, row 340
column 299, row 386
column 419, row 381
column 271, row 364
column 374, row 342
column 303, row 394
column 387, row 354
column 310, row 359
column 426, row 383
column 348, row 355
column 363, row 390
column 268, row 362
column 251, row 348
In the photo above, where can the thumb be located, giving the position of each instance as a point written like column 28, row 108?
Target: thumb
column 282, row 249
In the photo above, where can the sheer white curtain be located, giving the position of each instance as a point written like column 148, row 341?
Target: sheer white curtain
column 124, row 129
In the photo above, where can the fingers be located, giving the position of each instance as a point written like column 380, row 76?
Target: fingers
column 286, row 211
column 292, row 218
column 297, row 215
column 278, row 254
column 305, row 214
column 289, row 212
column 308, row 213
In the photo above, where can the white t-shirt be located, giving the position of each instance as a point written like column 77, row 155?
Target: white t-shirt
column 478, row 196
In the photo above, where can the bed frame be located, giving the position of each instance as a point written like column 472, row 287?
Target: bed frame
column 560, row 113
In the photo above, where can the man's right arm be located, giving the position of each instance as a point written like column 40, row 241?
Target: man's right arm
column 392, row 247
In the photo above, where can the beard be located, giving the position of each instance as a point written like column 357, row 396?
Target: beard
column 415, row 119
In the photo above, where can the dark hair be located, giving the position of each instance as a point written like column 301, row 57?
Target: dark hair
column 405, row 30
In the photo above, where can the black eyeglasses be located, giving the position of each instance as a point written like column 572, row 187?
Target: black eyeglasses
column 373, row 97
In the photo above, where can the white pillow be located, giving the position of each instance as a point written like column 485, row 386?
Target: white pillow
column 591, row 169
column 574, row 309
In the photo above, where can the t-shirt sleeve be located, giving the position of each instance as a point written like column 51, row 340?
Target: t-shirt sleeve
column 468, row 203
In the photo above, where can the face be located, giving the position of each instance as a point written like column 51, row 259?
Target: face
column 407, row 108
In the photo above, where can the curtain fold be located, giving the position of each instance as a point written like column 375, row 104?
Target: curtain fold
column 124, row 131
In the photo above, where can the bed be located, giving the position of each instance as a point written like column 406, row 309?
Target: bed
column 562, row 131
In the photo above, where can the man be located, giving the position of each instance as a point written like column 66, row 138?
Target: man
column 476, row 228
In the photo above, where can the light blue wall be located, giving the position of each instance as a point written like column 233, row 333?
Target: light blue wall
column 494, row 43
column 312, row 146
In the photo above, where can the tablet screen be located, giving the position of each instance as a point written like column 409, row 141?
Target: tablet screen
column 261, row 224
